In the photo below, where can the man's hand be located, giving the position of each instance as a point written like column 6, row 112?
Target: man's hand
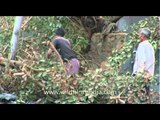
column 49, row 53
column 146, row 73
column 1, row 57
column 142, row 67
column 147, row 76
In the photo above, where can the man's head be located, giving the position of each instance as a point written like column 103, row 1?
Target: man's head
column 60, row 32
column 144, row 34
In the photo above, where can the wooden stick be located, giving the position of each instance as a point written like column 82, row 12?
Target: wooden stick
column 5, row 48
column 19, row 74
column 118, row 33
column 34, row 80
column 19, row 63
column 117, row 97
column 28, row 54
column 11, row 62
column 26, row 21
column 36, row 70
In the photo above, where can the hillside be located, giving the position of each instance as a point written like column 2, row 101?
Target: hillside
column 103, row 76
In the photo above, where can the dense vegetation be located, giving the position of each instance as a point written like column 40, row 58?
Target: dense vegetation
column 42, row 80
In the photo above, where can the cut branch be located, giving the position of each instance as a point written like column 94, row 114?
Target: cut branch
column 19, row 74
column 34, row 80
column 26, row 21
column 10, row 62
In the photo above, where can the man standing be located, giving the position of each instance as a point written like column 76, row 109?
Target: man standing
column 145, row 55
column 145, row 58
column 63, row 46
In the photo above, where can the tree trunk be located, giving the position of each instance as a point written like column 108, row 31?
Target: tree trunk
column 14, row 39
column 95, row 24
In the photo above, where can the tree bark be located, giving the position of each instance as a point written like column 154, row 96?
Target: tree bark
column 95, row 24
column 14, row 39
column 11, row 62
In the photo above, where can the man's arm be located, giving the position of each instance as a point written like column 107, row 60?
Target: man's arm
column 51, row 50
column 142, row 66
column 142, row 58
column 143, row 63
column 1, row 57
column 49, row 53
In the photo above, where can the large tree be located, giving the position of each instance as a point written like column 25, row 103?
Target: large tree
column 95, row 24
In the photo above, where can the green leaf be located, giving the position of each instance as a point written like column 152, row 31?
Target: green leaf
column 42, row 61
column 57, row 101
column 39, row 75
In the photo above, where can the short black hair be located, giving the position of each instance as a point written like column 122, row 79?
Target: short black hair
column 60, row 32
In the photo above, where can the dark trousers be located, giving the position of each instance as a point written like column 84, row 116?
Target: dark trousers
column 147, row 88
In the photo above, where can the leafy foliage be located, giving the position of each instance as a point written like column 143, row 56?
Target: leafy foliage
column 45, row 80
column 118, row 57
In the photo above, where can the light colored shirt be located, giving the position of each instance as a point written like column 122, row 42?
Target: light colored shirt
column 144, row 54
